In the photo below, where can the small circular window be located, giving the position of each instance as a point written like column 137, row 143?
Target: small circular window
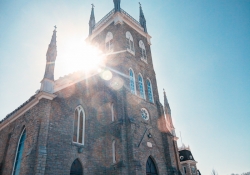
column 181, row 157
column 144, row 114
column 191, row 157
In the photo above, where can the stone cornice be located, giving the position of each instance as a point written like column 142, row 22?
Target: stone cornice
column 40, row 95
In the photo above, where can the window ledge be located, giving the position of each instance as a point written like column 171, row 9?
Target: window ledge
column 153, row 103
column 77, row 144
column 144, row 60
column 130, row 51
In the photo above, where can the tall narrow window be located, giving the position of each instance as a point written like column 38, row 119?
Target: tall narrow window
column 132, row 81
column 141, row 86
column 142, row 51
column 113, row 151
column 185, row 170
column 19, row 153
column 112, row 112
column 130, row 42
column 150, row 91
column 79, row 125
column 109, row 42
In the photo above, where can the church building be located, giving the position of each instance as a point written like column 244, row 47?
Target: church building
column 102, row 122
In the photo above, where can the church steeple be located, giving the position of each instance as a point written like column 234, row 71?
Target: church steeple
column 117, row 4
column 47, row 84
column 142, row 19
column 167, row 111
column 166, row 104
column 92, row 20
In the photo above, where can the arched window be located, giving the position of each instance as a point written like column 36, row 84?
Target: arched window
column 79, row 125
column 130, row 42
column 76, row 168
column 109, row 41
column 142, row 51
column 113, row 151
column 19, row 153
column 112, row 112
column 151, row 168
column 132, row 81
column 150, row 91
column 141, row 86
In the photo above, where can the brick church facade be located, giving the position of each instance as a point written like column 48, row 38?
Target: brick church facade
column 108, row 122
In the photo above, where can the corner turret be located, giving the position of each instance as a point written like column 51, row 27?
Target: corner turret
column 47, row 84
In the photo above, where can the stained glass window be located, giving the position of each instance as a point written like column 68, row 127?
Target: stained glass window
column 130, row 42
column 150, row 93
column 143, row 51
column 79, row 125
column 19, row 153
column 132, row 81
column 141, row 86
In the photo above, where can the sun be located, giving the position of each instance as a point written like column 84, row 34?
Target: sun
column 78, row 55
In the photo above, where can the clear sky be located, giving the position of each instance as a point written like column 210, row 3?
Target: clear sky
column 201, row 54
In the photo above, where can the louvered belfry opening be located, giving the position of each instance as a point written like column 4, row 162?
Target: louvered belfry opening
column 151, row 168
column 76, row 168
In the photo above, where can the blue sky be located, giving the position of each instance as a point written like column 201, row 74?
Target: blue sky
column 201, row 53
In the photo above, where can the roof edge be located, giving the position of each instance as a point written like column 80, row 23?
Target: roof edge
column 25, row 107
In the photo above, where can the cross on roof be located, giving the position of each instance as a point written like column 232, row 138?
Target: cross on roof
column 55, row 27
column 93, row 5
column 140, row 4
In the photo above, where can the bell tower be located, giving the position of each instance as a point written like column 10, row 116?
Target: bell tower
column 127, row 44
column 147, row 124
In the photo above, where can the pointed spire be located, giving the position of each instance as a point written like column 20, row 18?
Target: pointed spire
column 166, row 104
column 53, row 39
column 92, row 20
column 167, row 110
column 117, row 4
column 142, row 19
column 47, row 84
column 51, row 57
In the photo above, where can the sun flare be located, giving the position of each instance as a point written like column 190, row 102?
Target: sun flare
column 78, row 56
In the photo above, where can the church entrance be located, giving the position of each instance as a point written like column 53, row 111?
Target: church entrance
column 76, row 168
column 151, row 168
